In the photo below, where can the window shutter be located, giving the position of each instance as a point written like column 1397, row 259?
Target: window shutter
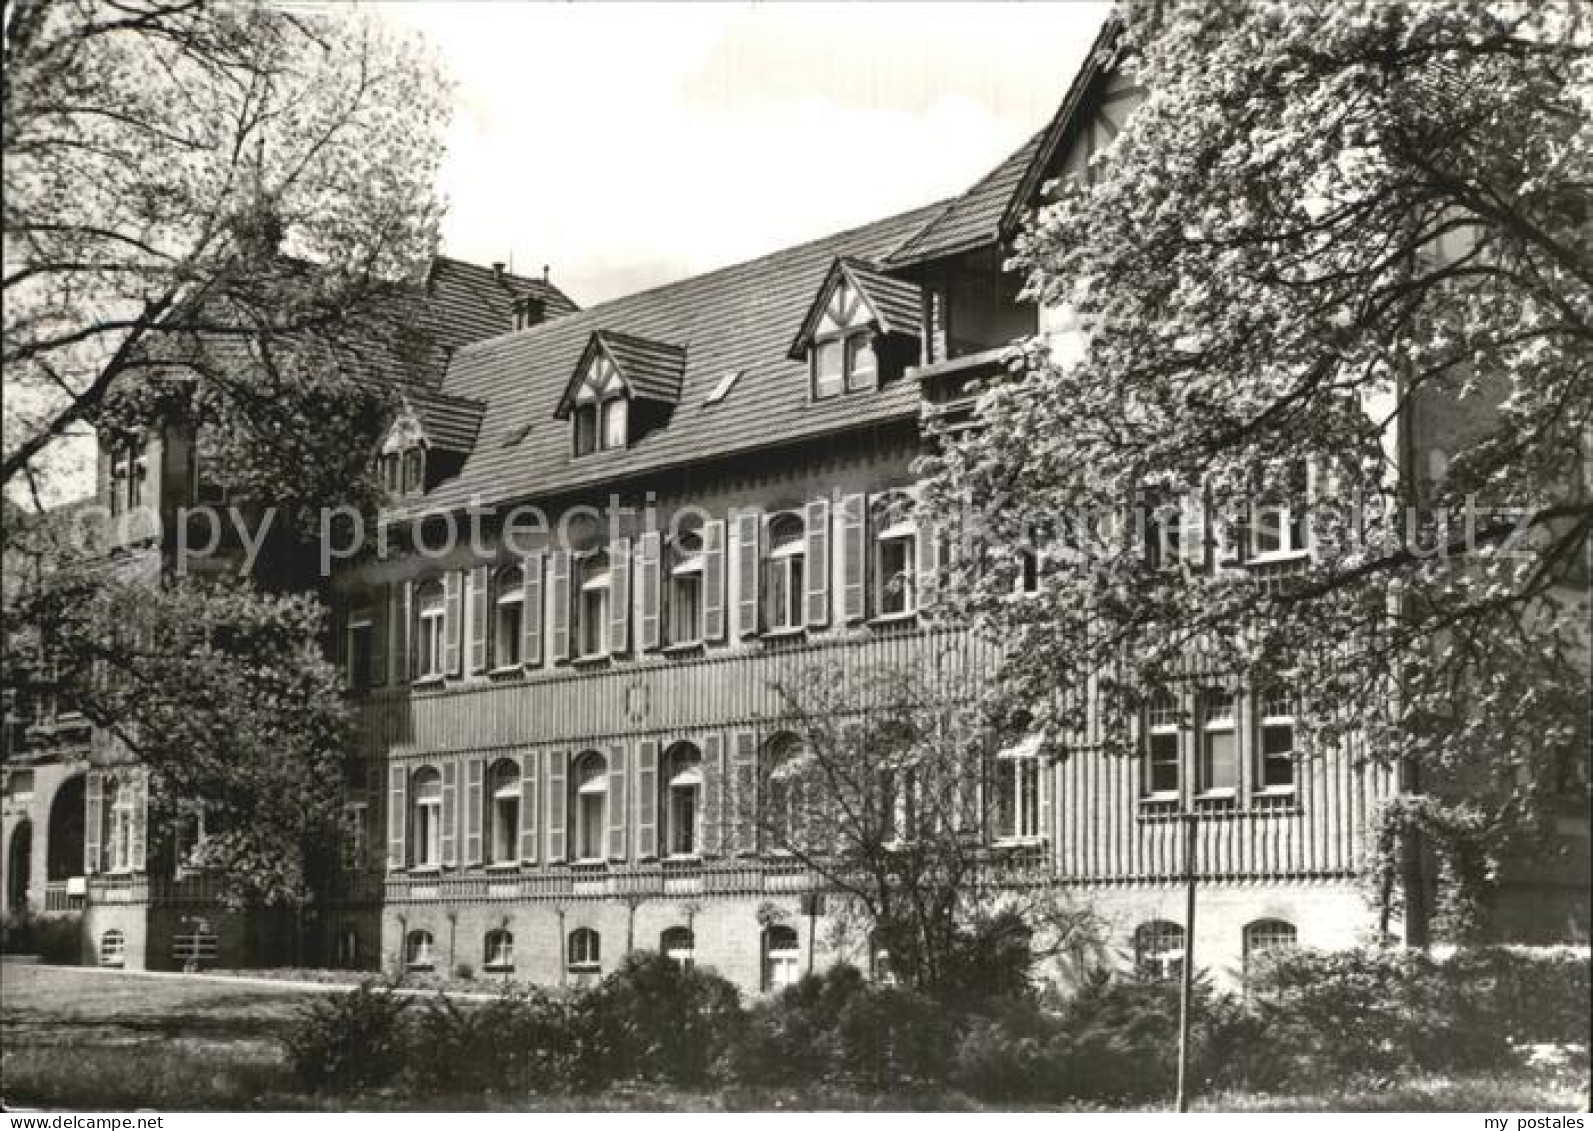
column 1045, row 782
column 649, row 580
column 928, row 554
column 746, row 792
column 557, row 763
column 479, row 596
column 619, row 597
column 817, row 563
column 647, row 799
column 379, row 624
column 853, row 557
column 450, row 815
column 529, row 798
column 397, row 816
column 561, row 607
column 713, row 580
column 93, row 821
column 453, row 620
column 713, row 777
column 374, row 850
column 399, row 627
column 473, row 810
column 531, row 612
column 746, row 549
column 139, row 784
column 412, row 646
column 617, row 812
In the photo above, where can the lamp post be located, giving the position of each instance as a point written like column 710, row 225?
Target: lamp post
column 1186, row 981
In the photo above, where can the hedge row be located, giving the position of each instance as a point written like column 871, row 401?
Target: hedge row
column 1306, row 1016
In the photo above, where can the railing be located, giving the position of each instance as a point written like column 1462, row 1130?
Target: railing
column 60, row 896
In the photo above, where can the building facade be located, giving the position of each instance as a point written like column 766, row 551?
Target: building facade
column 615, row 535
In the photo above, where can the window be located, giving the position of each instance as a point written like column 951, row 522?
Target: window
column 1264, row 935
column 113, row 948
column 346, row 949
column 679, row 944
column 898, row 804
column 508, row 617
column 590, row 808
column 828, row 360
column 783, row 573
column 1159, row 950
column 503, row 820
column 19, row 785
column 419, row 951
column 684, row 589
column 614, row 416
column 120, row 806
column 360, row 647
column 121, row 469
column 392, row 473
column 140, row 471
column 1278, row 517
column 414, row 471
column 682, row 796
column 429, row 631
column 782, row 792
column 585, row 429
column 1219, row 743
column 1018, row 792
column 862, row 368
column 1162, row 761
column 781, row 955
column 895, row 556
column 1275, row 743
column 426, row 818
column 585, row 951
column 195, row 945
column 498, row 952
column 352, row 843
column 1168, row 540
column 591, row 605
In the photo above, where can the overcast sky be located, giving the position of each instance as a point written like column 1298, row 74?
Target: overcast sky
column 629, row 145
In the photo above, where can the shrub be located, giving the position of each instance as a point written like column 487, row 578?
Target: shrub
column 887, row 1036
column 655, row 1019
column 349, row 1041
column 1537, row 996
column 791, row 1037
column 1006, row 1054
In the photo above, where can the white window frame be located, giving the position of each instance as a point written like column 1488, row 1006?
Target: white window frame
column 853, row 344
column 780, row 818
column 1270, row 717
column 508, row 617
column 785, row 573
column 613, row 417
column 783, row 966
column 497, row 949
column 431, row 611
column 1165, row 962
column 1018, row 782
column 684, row 589
column 503, row 830
column 1267, row 934
column 113, row 948
column 899, row 532
column 589, row 817
column 682, row 787
column 584, row 951
column 425, row 817
column 1293, row 533
column 122, row 815
column 420, row 950
column 359, row 639
column 1162, row 719
column 590, row 625
column 1213, row 726
column 680, row 945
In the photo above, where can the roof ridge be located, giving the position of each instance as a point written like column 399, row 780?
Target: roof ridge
column 1034, row 139
column 597, row 308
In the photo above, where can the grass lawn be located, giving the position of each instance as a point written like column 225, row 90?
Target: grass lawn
column 90, row 1040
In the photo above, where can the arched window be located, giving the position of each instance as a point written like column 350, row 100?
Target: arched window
column 895, row 554
column 426, row 817
column 591, row 605
column 508, row 616
column 419, row 952
column 1265, row 935
column 503, row 818
column 784, row 573
column 113, row 948
column 1159, row 949
column 498, row 953
column 682, row 784
column 589, row 782
column 429, row 631
column 781, row 957
column 680, row 944
column 781, row 816
column 585, row 951
column 683, row 588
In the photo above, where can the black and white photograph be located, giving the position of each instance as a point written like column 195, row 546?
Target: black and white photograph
column 796, row 557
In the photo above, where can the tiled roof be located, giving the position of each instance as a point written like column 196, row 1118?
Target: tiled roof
column 475, row 302
column 736, row 318
column 974, row 218
column 449, row 422
column 652, row 369
column 895, row 302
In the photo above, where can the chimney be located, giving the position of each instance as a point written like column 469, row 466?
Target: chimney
column 497, row 269
column 528, row 311
column 544, row 272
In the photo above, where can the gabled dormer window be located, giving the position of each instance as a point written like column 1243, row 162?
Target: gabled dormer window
column 602, row 409
column 857, row 314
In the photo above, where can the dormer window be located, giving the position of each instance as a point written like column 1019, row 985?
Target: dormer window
column 615, row 370
column 858, row 315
